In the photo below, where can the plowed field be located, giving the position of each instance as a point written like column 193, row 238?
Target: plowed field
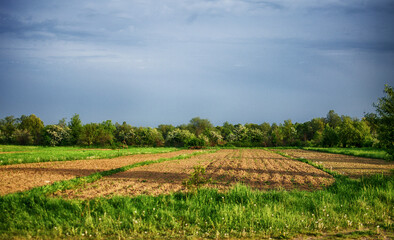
column 351, row 166
column 258, row 168
column 21, row 177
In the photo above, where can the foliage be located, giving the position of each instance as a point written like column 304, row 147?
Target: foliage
column 8, row 125
column 22, row 137
column 330, row 136
column 33, row 125
column 179, row 138
column 385, row 121
column 199, row 126
column 75, row 126
column 55, row 135
column 197, row 178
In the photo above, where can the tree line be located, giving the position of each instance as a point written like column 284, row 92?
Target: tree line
column 373, row 130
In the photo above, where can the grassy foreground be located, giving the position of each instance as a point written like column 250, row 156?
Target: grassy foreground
column 358, row 152
column 31, row 154
column 365, row 205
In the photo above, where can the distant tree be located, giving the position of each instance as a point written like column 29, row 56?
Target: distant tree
column 227, row 131
column 241, row 133
column 179, row 138
column 214, row 137
column 165, row 129
column 317, row 125
column 276, row 137
column 330, row 137
column 289, row 132
column 373, row 122
column 257, row 137
column 22, row 137
column 75, row 126
column 125, row 134
column 88, row 133
column 33, row 125
column 55, row 135
column 333, row 119
column 8, row 125
column 149, row 137
column 198, row 126
column 353, row 132
column 385, row 111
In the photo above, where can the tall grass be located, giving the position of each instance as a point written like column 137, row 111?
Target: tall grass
column 47, row 154
column 358, row 152
column 365, row 204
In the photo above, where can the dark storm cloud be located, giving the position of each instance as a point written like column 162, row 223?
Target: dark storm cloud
column 152, row 62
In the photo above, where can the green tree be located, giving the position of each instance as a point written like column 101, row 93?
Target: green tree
column 198, row 126
column 330, row 137
column 179, row 138
column 333, row 119
column 165, row 129
column 276, row 136
column 22, row 137
column 75, row 126
column 33, row 125
column 125, row 134
column 8, row 125
column 227, row 131
column 289, row 133
column 385, row 111
column 55, row 135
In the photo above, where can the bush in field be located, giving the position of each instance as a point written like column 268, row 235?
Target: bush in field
column 179, row 138
column 55, row 135
column 197, row 178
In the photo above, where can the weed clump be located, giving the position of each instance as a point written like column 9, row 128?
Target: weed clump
column 197, row 178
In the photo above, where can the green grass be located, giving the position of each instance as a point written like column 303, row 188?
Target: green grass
column 17, row 148
column 365, row 204
column 31, row 154
column 358, row 152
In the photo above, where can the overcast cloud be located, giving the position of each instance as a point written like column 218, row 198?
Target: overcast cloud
column 153, row 62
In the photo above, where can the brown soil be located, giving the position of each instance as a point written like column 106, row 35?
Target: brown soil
column 257, row 168
column 351, row 166
column 21, row 177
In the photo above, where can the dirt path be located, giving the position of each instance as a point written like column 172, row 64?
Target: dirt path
column 351, row 166
column 258, row 168
column 21, row 177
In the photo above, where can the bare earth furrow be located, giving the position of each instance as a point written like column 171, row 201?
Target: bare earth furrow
column 21, row 177
column 258, row 169
column 354, row 167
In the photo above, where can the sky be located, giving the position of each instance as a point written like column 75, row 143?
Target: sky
column 165, row 62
